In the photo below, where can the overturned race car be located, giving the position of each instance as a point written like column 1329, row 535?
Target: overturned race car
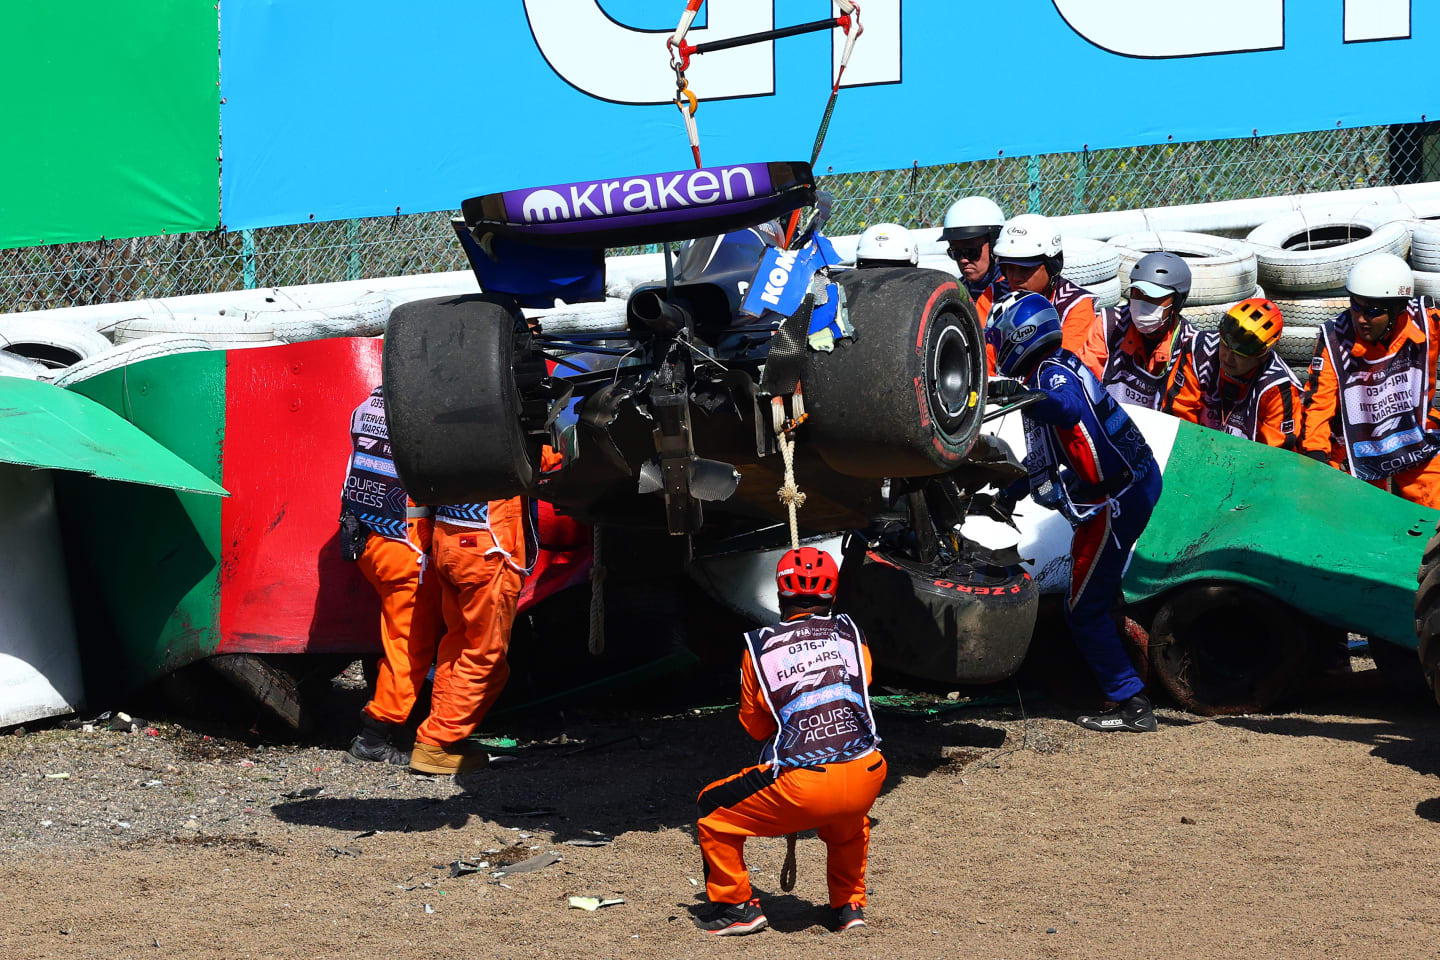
column 754, row 366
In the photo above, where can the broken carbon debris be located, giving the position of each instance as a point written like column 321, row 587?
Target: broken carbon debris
column 537, row 862
column 463, row 867
column 595, row 842
column 593, row 903
column 338, row 852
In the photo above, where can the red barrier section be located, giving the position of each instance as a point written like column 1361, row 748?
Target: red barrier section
column 283, row 586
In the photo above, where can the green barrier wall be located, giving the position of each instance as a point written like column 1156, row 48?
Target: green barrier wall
column 111, row 119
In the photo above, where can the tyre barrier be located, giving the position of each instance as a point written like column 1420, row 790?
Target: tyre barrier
column 1222, row 271
column 53, row 345
column 127, row 353
column 959, row 622
column 1089, row 262
column 1208, row 317
column 1425, row 246
column 12, row 365
column 1107, row 292
column 1312, row 312
column 218, row 330
column 1312, row 251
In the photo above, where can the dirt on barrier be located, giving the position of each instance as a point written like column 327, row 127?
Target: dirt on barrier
column 1306, row 834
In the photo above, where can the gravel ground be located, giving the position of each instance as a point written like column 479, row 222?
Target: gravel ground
column 1000, row 834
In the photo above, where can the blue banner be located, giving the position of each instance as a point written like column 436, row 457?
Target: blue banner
column 364, row 108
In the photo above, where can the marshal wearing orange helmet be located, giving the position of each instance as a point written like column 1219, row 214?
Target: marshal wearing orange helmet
column 1231, row 379
column 804, row 690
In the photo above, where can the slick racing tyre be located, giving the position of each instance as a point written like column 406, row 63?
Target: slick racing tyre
column 905, row 396
column 451, row 399
column 959, row 622
column 1427, row 614
column 1221, row 648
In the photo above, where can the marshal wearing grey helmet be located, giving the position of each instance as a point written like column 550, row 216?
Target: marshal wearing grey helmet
column 1145, row 337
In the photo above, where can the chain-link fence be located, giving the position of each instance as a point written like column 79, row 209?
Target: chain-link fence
column 37, row 278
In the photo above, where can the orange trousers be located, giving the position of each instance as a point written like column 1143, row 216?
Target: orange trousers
column 1418, row 484
column 478, row 594
column 409, row 621
column 834, row 799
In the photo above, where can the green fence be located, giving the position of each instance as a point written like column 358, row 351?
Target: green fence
column 37, row 278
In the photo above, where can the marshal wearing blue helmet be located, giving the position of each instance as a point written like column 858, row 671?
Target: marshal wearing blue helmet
column 1088, row 460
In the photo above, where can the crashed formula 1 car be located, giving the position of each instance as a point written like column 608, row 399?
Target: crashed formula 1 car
column 674, row 421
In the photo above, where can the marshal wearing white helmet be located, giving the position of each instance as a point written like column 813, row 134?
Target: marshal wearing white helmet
column 886, row 245
column 1031, row 254
column 1370, row 394
column 970, row 228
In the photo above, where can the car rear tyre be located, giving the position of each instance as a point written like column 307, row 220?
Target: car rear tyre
column 906, row 396
column 1221, row 648
column 451, row 400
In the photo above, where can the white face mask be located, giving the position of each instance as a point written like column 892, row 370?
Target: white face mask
column 1147, row 317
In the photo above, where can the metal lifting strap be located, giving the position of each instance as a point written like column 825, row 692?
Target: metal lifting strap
column 681, row 52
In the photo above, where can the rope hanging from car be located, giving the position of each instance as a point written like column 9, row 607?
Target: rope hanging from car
column 681, row 52
column 794, row 498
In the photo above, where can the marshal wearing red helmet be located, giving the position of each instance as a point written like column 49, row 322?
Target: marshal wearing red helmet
column 807, row 572
column 803, row 690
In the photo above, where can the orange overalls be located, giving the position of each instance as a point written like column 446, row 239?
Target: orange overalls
column 1139, row 370
column 393, row 561
column 481, row 553
column 1323, row 430
column 409, row 618
column 833, row 798
column 1267, row 408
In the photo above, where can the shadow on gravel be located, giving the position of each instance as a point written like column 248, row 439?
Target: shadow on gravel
column 641, row 778
column 1401, row 730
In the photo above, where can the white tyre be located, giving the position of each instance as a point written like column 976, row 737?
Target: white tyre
column 15, row 366
column 54, row 344
column 1107, row 292
column 126, row 354
column 1208, row 316
column 578, row 318
column 1088, row 262
column 1313, row 251
column 215, row 329
column 1311, row 312
column 1425, row 246
column 940, row 262
column 1427, row 284
column 1221, row 270
column 297, row 318
column 1297, row 346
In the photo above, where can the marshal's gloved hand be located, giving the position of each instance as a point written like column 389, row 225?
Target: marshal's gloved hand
column 1003, row 388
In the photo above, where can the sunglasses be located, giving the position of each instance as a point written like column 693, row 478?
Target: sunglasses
column 967, row 253
column 1369, row 311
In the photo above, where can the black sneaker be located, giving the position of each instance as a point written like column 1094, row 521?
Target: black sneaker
column 372, row 744
column 732, row 919
column 1133, row 715
column 849, row 917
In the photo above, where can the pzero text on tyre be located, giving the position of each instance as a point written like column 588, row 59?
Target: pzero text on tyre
column 906, row 396
column 451, row 401
column 948, row 623
column 1222, row 648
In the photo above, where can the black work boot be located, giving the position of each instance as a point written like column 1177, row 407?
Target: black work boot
column 1133, row 715
column 372, row 744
